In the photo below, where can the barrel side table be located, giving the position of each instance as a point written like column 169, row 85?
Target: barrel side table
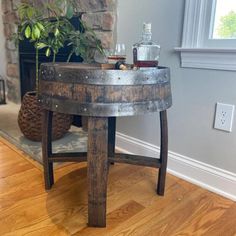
column 102, row 95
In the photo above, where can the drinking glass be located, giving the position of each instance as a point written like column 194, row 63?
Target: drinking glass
column 113, row 55
column 120, row 50
column 117, row 54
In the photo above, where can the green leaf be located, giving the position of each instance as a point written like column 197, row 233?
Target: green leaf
column 33, row 38
column 36, row 32
column 40, row 26
column 41, row 45
column 57, row 32
column 21, row 15
column 28, row 32
column 30, row 12
column 48, row 52
column 69, row 11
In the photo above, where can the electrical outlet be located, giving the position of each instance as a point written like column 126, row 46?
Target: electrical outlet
column 224, row 117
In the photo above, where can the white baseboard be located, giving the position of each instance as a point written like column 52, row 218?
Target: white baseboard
column 209, row 177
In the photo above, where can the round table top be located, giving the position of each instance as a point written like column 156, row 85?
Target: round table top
column 98, row 90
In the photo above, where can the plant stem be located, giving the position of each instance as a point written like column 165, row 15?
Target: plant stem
column 54, row 57
column 69, row 57
column 37, row 70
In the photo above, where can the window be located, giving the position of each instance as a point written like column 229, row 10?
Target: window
column 222, row 28
column 209, row 35
column 224, row 20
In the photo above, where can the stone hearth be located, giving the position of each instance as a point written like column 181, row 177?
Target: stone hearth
column 98, row 14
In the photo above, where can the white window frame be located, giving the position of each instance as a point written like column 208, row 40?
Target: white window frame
column 196, row 50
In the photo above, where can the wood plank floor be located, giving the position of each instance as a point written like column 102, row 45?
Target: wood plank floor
column 133, row 206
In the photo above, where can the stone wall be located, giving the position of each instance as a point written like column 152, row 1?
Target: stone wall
column 12, row 70
column 98, row 14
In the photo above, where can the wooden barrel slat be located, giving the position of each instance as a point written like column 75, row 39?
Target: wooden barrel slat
column 107, row 94
column 62, row 90
column 93, row 74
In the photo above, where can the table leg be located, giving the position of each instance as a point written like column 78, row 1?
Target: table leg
column 111, row 136
column 163, row 154
column 97, row 170
column 47, row 148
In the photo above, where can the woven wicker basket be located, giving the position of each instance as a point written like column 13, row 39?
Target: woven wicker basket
column 30, row 119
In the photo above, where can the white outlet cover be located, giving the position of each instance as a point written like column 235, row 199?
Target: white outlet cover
column 224, row 117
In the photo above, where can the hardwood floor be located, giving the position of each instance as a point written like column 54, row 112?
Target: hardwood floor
column 133, row 206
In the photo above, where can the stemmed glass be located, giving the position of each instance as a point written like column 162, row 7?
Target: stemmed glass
column 117, row 54
column 120, row 51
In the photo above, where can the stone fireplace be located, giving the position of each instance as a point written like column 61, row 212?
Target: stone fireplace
column 100, row 15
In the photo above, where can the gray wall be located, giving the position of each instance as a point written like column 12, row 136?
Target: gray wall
column 195, row 91
column 2, row 47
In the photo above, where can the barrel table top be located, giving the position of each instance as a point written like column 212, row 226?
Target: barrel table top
column 92, row 90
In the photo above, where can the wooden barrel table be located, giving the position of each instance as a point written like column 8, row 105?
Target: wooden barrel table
column 102, row 95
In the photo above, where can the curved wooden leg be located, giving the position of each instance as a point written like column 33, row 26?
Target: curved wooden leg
column 111, row 137
column 97, row 170
column 163, row 154
column 47, row 148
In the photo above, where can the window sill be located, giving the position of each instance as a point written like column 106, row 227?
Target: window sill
column 208, row 58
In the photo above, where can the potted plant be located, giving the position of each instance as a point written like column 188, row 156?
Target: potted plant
column 50, row 35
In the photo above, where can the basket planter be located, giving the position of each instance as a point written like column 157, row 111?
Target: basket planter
column 30, row 119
